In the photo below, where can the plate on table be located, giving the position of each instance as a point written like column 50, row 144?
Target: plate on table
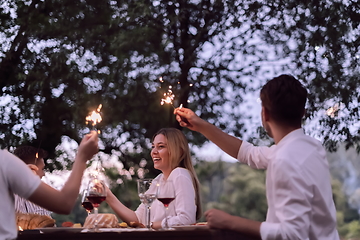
column 190, row 227
column 59, row 229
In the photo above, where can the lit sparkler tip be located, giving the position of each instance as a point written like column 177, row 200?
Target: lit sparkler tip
column 161, row 79
column 94, row 117
column 99, row 108
column 168, row 96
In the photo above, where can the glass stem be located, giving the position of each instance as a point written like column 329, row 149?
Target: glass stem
column 96, row 219
column 166, row 222
column 147, row 220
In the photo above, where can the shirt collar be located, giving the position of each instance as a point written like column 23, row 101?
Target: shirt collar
column 293, row 134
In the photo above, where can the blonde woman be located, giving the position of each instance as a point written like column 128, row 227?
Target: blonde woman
column 171, row 155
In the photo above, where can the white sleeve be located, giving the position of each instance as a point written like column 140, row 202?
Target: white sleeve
column 140, row 213
column 21, row 180
column 254, row 156
column 185, row 205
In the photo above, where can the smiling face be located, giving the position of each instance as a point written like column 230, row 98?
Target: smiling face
column 160, row 154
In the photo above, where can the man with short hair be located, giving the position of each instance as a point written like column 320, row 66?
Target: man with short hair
column 298, row 182
column 34, row 158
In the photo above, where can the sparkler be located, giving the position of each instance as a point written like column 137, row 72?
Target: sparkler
column 94, row 117
column 36, row 156
column 168, row 97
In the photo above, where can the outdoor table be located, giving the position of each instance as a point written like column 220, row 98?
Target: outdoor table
column 198, row 234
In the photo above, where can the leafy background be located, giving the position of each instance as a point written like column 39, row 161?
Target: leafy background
column 59, row 59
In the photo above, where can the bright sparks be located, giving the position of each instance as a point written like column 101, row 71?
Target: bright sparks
column 94, row 117
column 168, row 97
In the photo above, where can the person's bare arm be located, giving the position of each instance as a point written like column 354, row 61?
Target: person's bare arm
column 126, row 214
column 187, row 118
column 63, row 201
column 222, row 220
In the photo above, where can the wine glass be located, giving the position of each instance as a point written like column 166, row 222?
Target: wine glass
column 166, row 194
column 147, row 191
column 96, row 194
column 85, row 203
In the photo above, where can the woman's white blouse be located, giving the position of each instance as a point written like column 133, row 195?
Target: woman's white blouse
column 181, row 211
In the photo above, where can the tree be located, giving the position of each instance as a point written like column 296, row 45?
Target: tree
column 61, row 59
column 241, row 191
column 322, row 40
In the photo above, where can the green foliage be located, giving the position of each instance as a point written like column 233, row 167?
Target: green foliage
column 233, row 188
column 351, row 230
column 59, row 59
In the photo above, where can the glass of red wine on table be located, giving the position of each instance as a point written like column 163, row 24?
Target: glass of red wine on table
column 85, row 203
column 96, row 194
column 166, row 194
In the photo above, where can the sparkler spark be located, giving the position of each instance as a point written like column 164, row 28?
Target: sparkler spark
column 94, row 117
column 36, row 157
column 168, row 97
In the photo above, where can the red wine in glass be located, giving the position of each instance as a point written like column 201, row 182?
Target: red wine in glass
column 88, row 206
column 166, row 201
column 96, row 199
column 96, row 194
column 85, row 203
column 166, row 194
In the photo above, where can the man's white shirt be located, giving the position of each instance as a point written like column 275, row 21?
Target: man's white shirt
column 298, row 188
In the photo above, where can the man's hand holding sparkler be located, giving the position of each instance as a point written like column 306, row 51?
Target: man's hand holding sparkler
column 187, row 118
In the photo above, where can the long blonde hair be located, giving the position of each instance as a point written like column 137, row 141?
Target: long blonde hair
column 179, row 156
